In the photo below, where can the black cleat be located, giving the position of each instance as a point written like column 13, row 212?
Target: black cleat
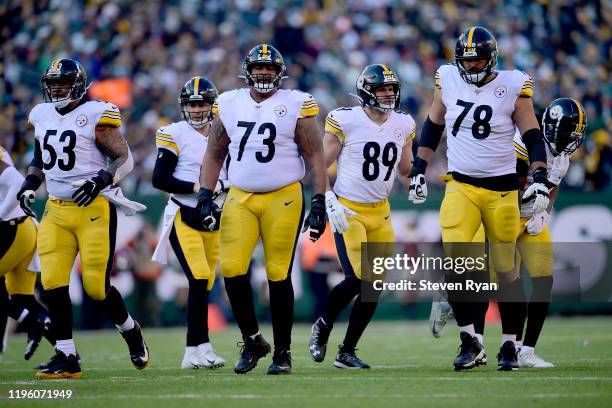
column 250, row 352
column 139, row 352
column 42, row 366
column 60, row 366
column 281, row 362
column 507, row 359
column 317, row 346
column 470, row 352
column 35, row 327
column 346, row 358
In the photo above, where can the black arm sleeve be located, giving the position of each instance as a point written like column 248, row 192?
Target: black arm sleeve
column 163, row 178
column 534, row 142
column 431, row 134
column 37, row 159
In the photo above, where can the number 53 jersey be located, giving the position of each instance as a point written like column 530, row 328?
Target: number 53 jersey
column 68, row 143
column 264, row 155
column 479, row 124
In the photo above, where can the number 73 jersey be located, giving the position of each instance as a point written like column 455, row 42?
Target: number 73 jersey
column 264, row 155
column 479, row 124
column 68, row 143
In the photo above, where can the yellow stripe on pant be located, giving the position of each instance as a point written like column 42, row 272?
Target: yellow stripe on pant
column 15, row 258
column 275, row 216
column 372, row 223
column 67, row 229
column 197, row 251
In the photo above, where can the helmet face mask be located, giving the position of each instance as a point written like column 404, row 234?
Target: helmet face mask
column 371, row 80
column 64, row 82
column 564, row 123
column 476, row 43
column 196, row 100
column 264, row 81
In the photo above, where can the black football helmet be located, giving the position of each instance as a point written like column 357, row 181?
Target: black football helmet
column 371, row 78
column 264, row 54
column 476, row 43
column 198, row 89
column 64, row 81
column 564, row 123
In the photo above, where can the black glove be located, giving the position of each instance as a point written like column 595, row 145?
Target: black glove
column 90, row 189
column 209, row 211
column 316, row 217
column 26, row 194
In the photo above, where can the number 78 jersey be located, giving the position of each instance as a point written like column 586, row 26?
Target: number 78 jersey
column 264, row 155
column 479, row 124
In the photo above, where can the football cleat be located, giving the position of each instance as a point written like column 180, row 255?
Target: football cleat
column 483, row 360
column 35, row 329
column 60, row 366
column 42, row 366
column 250, row 352
column 281, row 362
column 317, row 346
column 208, row 357
column 529, row 359
column 506, row 358
column 470, row 351
column 139, row 352
column 191, row 358
column 346, row 358
column 441, row 313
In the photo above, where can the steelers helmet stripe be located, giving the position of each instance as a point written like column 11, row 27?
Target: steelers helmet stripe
column 264, row 49
column 196, row 86
column 56, row 64
column 580, row 116
column 386, row 69
column 470, row 38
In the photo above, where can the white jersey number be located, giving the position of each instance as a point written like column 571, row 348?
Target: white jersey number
column 481, row 127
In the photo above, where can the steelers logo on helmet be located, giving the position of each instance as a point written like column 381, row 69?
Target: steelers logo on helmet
column 475, row 44
column 564, row 123
column 63, row 82
column 263, row 55
column 378, row 87
column 196, row 100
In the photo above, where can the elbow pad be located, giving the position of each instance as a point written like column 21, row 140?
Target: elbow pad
column 534, row 142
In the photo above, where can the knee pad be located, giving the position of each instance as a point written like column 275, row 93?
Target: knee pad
column 95, row 288
column 506, row 223
column 232, row 269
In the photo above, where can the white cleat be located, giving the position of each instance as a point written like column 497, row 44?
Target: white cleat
column 441, row 313
column 191, row 358
column 529, row 359
column 208, row 357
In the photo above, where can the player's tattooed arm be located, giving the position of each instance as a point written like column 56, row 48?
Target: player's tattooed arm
column 309, row 138
column 115, row 147
column 216, row 152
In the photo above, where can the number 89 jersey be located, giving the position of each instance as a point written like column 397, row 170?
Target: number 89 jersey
column 68, row 143
column 370, row 152
column 264, row 155
column 479, row 125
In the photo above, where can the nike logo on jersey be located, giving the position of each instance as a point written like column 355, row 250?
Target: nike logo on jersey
column 288, row 202
column 93, row 218
column 505, row 194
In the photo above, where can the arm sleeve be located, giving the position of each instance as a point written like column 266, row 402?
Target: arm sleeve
column 163, row 178
column 37, row 159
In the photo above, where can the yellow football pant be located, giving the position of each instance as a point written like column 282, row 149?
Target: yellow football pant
column 197, row 251
column 275, row 216
column 14, row 260
column 463, row 210
column 67, row 229
column 372, row 223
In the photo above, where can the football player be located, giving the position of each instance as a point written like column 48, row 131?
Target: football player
column 480, row 108
column 181, row 148
column 271, row 135
column 79, row 153
column 17, row 251
column 372, row 142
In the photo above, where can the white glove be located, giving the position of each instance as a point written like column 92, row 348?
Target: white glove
column 26, row 199
column 536, row 223
column 337, row 213
column 558, row 169
column 418, row 189
column 537, row 192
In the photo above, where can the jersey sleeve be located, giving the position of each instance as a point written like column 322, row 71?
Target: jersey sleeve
column 527, row 86
column 333, row 126
column 437, row 80
column 519, row 147
column 412, row 133
column 309, row 107
column 110, row 116
column 165, row 140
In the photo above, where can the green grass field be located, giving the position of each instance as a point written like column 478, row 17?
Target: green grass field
column 410, row 368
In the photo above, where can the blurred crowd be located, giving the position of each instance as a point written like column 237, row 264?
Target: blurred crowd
column 140, row 53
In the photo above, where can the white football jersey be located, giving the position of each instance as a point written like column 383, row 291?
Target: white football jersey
column 479, row 125
column 189, row 145
column 370, row 153
column 11, row 210
column 263, row 153
column 68, row 143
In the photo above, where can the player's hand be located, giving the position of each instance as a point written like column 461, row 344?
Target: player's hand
column 536, row 223
column 417, row 193
column 558, row 169
column 538, row 192
column 88, row 190
column 26, row 199
column 316, row 217
column 337, row 213
column 209, row 211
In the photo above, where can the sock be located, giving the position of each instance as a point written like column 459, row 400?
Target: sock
column 518, row 344
column 197, row 312
column 66, row 346
column 511, row 302
column 252, row 336
column 281, row 309
column 469, row 329
column 508, row 337
column 537, row 310
column 114, row 307
column 462, row 309
column 339, row 298
column 479, row 310
column 240, row 296
column 527, row 350
column 60, row 312
column 127, row 325
column 361, row 314
column 480, row 338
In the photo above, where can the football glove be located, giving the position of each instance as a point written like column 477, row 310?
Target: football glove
column 27, row 193
column 536, row 223
column 417, row 193
column 209, row 211
column 538, row 192
column 88, row 190
column 558, row 169
column 337, row 213
column 316, row 217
